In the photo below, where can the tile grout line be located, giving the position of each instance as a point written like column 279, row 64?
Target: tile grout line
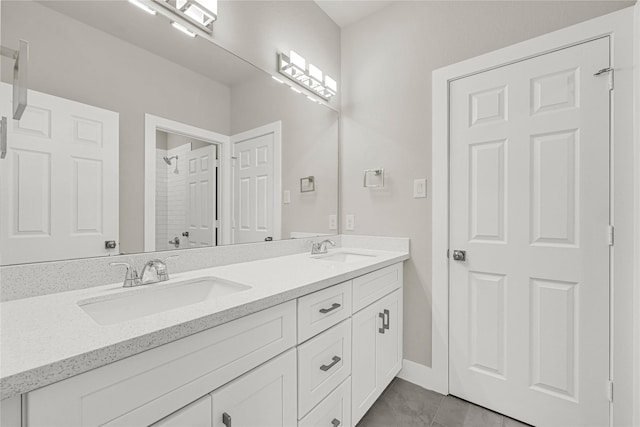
column 437, row 411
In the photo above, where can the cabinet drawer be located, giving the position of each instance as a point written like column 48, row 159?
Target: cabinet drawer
column 144, row 388
column 323, row 363
column 321, row 310
column 373, row 286
column 334, row 410
column 197, row 414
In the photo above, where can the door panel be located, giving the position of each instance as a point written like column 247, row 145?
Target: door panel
column 60, row 200
column 201, row 196
column 529, row 198
column 254, row 187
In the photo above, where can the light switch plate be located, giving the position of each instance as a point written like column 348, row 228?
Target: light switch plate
column 286, row 197
column 333, row 222
column 419, row 188
column 350, row 223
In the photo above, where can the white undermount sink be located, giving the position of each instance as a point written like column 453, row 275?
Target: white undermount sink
column 344, row 257
column 157, row 298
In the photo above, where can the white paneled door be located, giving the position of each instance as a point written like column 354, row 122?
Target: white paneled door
column 59, row 192
column 255, row 186
column 529, row 306
column 201, row 196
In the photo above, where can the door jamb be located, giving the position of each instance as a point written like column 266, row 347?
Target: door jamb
column 151, row 125
column 619, row 27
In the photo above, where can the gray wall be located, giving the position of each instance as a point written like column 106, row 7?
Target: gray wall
column 387, row 115
column 257, row 30
column 309, row 147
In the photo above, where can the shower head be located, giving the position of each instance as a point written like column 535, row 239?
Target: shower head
column 168, row 160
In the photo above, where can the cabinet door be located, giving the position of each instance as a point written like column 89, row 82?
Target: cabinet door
column 389, row 343
column 377, row 351
column 196, row 414
column 366, row 325
column 264, row 397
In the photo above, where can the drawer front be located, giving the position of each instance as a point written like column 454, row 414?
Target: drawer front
column 321, row 310
column 334, row 410
column 197, row 414
column 373, row 286
column 144, row 388
column 323, row 363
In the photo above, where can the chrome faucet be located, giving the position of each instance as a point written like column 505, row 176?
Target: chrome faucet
column 154, row 271
column 321, row 247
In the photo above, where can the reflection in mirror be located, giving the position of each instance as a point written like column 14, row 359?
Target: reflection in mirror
column 112, row 93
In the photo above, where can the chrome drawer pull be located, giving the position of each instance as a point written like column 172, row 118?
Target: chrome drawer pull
column 333, row 307
column 381, row 330
column 226, row 419
column 335, row 422
column 386, row 325
column 335, row 359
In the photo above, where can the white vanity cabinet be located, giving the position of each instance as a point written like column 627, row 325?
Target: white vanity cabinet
column 377, row 341
column 196, row 414
column 321, row 360
column 265, row 396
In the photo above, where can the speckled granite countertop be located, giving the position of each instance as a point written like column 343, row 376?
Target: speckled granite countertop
column 49, row 338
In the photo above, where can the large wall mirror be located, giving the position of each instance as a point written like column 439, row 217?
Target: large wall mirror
column 140, row 138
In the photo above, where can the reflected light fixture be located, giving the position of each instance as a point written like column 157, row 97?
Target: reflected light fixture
column 143, row 6
column 294, row 67
column 199, row 13
column 183, row 29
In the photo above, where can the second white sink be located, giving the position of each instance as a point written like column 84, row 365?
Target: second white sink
column 156, row 299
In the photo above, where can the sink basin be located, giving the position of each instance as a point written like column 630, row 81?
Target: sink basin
column 157, row 298
column 344, row 257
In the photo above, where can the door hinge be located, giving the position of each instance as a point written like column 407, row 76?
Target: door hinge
column 610, row 390
column 217, row 223
column 611, row 235
column 610, row 72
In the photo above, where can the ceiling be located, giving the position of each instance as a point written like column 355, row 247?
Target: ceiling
column 346, row 12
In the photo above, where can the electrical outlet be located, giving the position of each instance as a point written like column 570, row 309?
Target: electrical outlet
column 286, row 197
column 350, row 223
column 333, row 222
column 419, row 188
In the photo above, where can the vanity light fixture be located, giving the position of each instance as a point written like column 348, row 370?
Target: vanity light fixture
column 143, row 6
column 183, row 29
column 199, row 13
column 294, row 67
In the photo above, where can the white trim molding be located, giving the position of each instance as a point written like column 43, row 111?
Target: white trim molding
column 418, row 374
column 625, row 207
column 636, row 115
column 151, row 125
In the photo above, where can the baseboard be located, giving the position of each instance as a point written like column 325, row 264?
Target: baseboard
column 420, row 375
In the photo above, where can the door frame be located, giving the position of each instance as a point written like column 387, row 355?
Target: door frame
column 276, row 129
column 619, row 27
column 155, row 123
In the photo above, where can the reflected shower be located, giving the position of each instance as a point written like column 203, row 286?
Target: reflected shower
column 168, row 160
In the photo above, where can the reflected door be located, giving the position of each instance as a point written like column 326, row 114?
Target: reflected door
column 59, row 195
column 253, row 187
column 529, row 307
column 201, row 196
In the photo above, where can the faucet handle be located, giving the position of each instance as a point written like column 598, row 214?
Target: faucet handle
column 163, row 273
column 131, row 277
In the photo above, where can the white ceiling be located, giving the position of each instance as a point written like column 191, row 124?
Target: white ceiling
column 346, row 12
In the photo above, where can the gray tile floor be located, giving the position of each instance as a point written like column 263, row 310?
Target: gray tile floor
column 404, row 404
